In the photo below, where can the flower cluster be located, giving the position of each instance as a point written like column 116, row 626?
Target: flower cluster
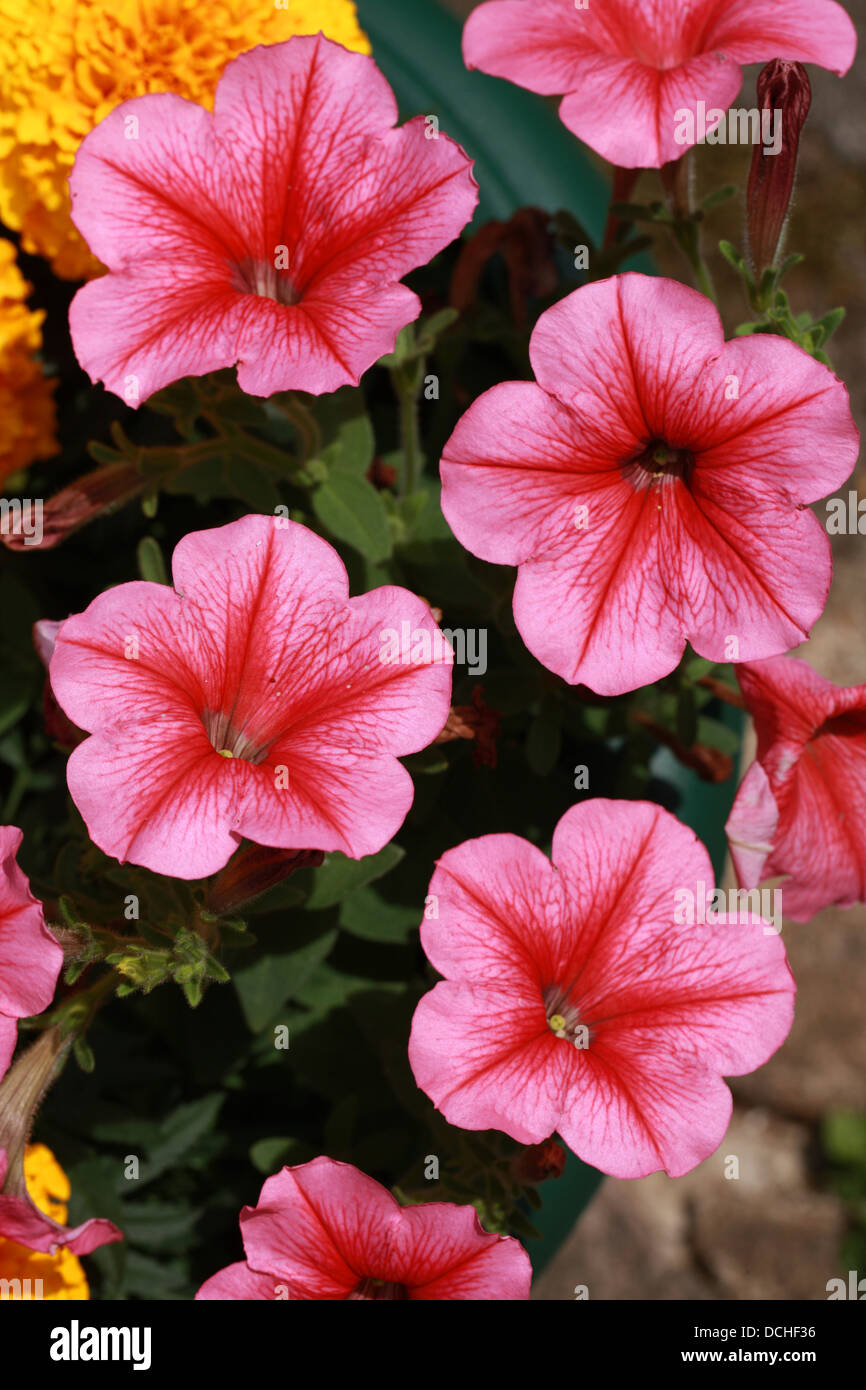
column 257, row 208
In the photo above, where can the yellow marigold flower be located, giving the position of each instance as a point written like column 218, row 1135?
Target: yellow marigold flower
column 26, row 395
column 57, row 1276
column 64, row 64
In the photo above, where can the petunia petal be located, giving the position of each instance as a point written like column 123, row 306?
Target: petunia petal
column 238, row 1282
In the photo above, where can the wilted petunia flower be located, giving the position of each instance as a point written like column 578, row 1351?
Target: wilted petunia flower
column 628, row 67
column 30, row 958
column 250, row 701
column 31, row 1273
column 801, row 808
column 583, row 997
column 653, row 485
column 324, row 1230
column 36, row 1273
column 272, row 234
column 26, row 1221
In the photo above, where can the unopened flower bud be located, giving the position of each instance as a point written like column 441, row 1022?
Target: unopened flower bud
column 782, row 87
column 82, row 501
column 252, row 871
column 539, row 1161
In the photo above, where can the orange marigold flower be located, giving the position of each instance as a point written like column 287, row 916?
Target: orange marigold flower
column 26, row 395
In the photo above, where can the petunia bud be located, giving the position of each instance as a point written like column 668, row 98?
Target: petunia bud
column 478, row 722
column 782, row 87
column 252, row 871
column 539, row 1161
column 58, row 728
column 87, row 498
column 21, row 1090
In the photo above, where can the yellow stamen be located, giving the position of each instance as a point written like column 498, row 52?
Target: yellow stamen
column 225, row 752
column 557, row 1023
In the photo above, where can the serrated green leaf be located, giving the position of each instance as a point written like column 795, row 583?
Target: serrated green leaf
column 180, row 1132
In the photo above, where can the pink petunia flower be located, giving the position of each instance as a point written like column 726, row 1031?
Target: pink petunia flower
column 628, row 67
column 30, row 958
column 251, row 700
column 593, row 996
column 801, row 808
column 652, row 486
column 272, row 233
column 324, row 1230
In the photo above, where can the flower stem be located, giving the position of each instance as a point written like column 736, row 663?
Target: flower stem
column 407, row 380
column 677, row 180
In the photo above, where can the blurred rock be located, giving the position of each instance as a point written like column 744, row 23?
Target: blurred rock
column 762, row 1234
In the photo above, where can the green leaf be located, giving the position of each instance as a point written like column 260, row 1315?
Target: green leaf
column 438, row 322
column 788, row 264
column 721, row 195
column 843, row 1134
column 544, row 742
column 353, row 449
column 697, row 666
column 353, row 511
column 828, row 324
column 265, row 986
column 150, row 562
column 84, row 1054
column 339, row 876
column 150, row 1279
column 731, row 255
column 179, row 1134
column 252, row 485
column 158, row 1225
column 268, row 1155
column 365, row 914
column 328, row 989
column 402, row 348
